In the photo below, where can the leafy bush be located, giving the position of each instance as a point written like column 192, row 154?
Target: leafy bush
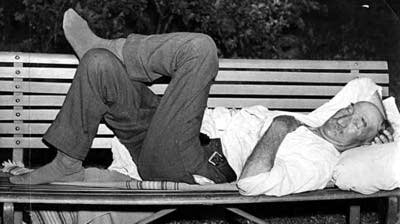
column 43, row 27
column 261, row 29
column 240, row 28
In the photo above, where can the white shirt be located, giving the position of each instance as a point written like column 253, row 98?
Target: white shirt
column 303, row 162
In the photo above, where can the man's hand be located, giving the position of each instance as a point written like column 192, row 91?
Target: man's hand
column 263, row 156
column 384, row 137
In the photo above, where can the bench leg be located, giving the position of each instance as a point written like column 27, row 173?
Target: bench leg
column 17, row 217
column 354, row 214
column 246, row 215
column 8, row 213
column 398, row 210
column 392, row 210
column 156, row 215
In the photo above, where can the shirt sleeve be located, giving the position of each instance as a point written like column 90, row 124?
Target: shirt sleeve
column 287, row 177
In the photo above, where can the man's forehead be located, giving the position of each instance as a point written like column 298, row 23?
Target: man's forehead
column 369, row 110
column 367, row 107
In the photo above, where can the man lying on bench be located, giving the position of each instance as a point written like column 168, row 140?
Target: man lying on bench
column 162, row 134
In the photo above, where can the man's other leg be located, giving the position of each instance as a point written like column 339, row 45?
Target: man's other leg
column 172, row 148
column 100, row 89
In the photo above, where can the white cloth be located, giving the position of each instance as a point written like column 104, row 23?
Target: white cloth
column 244, row 130
column 122, row 160
column 240, row 130
column 369, row 169
column 303, row 162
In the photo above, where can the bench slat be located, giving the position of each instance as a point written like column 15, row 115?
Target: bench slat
column 302, row 64
column 271, row 103
column 38, row 73
column 35, row 87
column 27, row 114
column 36, row 142
column 223, row 63
column 27, row 100
column 216, row 89
column 301, row 77
column 39, row 58
column 295, row 103
column 231, row 76
column 275, row 90
column 284, row 104
column 40, row 128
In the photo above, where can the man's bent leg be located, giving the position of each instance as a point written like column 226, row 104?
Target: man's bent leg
column 172, row 148
column 100, row 88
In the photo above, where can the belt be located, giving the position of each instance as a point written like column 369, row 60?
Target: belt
column 217, row 161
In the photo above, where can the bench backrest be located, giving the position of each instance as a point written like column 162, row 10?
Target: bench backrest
column 33, row 88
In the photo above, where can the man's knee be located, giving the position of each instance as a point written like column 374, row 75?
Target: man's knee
column 202, row 49
column 97, row 56
column 204, row 45
column 101, row 69
column 98, row 62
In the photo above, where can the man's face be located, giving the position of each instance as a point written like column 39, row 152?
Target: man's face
column 353, row 126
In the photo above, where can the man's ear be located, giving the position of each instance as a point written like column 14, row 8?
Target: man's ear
column 377, row 101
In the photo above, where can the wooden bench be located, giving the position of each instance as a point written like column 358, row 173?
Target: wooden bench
column 33, row 88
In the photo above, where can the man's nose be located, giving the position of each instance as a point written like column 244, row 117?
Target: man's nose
column 358, row 123
column 344, row 121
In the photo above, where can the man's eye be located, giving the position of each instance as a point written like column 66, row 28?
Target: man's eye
column 363, row 122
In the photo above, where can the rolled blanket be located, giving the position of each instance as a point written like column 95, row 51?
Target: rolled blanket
column 154, row 185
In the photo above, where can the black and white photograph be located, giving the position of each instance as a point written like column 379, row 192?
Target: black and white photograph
column 191, row 112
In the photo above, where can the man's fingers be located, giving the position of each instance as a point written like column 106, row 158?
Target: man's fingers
column 383, row 138
column 389, row 135
column 377, row 140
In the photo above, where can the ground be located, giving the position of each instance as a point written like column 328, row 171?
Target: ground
column 318, row 212
column 329, row 212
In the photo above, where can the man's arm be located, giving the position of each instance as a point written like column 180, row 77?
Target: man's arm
column 263, row 156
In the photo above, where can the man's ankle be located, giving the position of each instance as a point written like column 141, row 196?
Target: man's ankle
column 66, row 159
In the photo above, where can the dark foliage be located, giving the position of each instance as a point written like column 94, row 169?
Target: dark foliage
column 314, row 29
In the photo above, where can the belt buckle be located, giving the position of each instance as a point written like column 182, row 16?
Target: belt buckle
column 216, row 158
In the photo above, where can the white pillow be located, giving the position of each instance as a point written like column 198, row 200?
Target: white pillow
column 369, row 169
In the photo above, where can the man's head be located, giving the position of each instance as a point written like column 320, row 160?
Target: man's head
column 354, row 125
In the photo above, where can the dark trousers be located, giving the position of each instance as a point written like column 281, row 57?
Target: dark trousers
column 162, row 135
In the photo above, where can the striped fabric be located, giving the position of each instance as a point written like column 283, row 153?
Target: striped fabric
column 151, row 185
column 54, row 217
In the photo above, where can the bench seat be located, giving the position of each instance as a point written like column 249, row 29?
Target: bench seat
column 54, row 194
column 71, row 195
